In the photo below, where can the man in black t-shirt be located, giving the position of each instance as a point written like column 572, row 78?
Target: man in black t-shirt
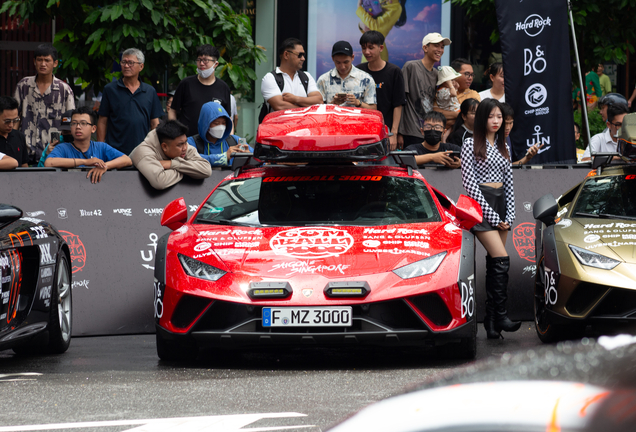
column 196, row 90
column 12, row 142
column 433, row 150
column 389, row 81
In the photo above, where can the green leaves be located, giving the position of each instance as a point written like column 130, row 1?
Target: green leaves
column 95, row 34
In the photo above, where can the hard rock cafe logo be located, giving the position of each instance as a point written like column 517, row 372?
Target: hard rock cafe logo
column 533, row 25
column 77, row 249
column 311, row 242
column 523, row 240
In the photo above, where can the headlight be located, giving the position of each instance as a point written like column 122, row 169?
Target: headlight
column 420, row 268
column 593, row 259
column 200, row 270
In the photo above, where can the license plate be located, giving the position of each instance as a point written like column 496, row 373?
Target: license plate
column 307, row 317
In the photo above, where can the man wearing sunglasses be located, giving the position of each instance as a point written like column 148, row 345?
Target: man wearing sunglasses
column 12, row 142
column 289, row 86
column 196, row 90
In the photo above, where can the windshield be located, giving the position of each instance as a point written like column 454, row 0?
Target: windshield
column 320, row 200
column 608, row 196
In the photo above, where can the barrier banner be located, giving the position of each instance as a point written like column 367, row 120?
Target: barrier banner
column 536, row 57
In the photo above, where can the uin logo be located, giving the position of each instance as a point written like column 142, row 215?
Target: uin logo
column 533, row 25
column 545, row 140
column 536, row 95
column 151, row 252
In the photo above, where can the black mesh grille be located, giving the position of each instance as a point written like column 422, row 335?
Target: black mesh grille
column 188, row 308
column 618, row 303
column 585, row 295
column 434, row 308
column 395, row 314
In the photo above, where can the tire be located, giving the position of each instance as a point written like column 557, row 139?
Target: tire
column 57, row 337
column 547, row 331
column 172, row 351
column 61, row 318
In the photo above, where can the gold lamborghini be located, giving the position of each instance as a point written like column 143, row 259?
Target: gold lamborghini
column 586, row 255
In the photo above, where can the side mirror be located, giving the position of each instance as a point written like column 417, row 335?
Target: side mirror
column 468, row 211
column 545, row 209
column 9, row 214
column 175, row 214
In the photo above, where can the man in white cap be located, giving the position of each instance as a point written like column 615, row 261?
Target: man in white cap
column 420, row 82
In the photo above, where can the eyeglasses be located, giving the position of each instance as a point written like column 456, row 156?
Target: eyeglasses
column 299, row 55
column 10, row 121
column 129, row 63
column 469, row 75
column 428, row 127
column 82, row 124
column 205, row 60
column 618, row 125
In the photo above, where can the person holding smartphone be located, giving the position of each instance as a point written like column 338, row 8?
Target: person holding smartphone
column 487, row 178
column 432, row 149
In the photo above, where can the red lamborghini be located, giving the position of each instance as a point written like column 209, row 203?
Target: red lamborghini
column 333, row 241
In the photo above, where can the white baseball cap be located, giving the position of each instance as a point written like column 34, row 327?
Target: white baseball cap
column 435, row 38
column 446, row 73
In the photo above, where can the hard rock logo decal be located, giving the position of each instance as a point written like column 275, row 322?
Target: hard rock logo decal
column 523, row 239
column 311, row 242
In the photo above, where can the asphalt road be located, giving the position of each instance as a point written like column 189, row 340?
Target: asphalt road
column 118, row 384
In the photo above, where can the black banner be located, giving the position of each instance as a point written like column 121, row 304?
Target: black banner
column 536, row 57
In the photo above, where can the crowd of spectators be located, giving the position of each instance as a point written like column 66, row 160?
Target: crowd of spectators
column 428, row 110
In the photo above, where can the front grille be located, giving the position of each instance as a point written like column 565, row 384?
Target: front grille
column 434, row 308
column 584, row 296
column 393, row 315
column 188, row 308
column 619, row 303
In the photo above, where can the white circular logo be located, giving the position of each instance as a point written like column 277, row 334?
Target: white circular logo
column 371, row 243
column 565, row 223
column 534, row 24
column 312, row 242
column 536, row 95
column 591, row 238
column 202, row 246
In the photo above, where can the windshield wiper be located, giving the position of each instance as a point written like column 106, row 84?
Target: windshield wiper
column 604, row 216
column 224, row 222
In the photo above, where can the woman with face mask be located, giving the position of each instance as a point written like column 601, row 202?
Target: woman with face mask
column 487, row 178
column 433, row 150
column 214, row 141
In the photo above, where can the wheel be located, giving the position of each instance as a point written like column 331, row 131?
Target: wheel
column 175, row 351
column 61, row 318
column 57, row 338
column 547, row 331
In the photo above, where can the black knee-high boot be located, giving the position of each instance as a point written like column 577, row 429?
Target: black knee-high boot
column 499, row 269
column 489, row 318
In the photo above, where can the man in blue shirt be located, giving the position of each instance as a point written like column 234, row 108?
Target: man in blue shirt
column 129, row 107
column 83, row 152
column 214, row 142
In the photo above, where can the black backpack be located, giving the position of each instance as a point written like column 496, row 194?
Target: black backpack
column 200, row 142
column 281, row 83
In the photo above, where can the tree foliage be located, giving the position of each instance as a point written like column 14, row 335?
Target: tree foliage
column 168, row 31
column 604, row 29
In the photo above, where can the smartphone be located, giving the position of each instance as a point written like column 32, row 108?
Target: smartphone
column 55, row 136
column 455, row 154
column 243, row 144
column 341, row 95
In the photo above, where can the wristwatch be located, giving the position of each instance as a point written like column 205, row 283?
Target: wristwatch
column 359, row 103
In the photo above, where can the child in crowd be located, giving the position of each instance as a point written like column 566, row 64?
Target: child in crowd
column 446, row 97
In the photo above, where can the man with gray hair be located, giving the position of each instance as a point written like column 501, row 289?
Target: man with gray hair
column 129, row 107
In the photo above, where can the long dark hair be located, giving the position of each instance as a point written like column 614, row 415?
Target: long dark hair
column 481, row 124
column 400, row 22
column 466, row 106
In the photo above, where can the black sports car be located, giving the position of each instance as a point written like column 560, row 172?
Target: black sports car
column 35, row 285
